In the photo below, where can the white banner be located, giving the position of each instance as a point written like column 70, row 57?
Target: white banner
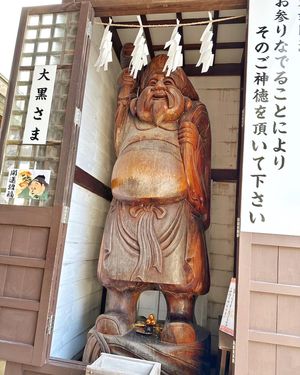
column 39, row 107
column 271, row 178
column 227, row 322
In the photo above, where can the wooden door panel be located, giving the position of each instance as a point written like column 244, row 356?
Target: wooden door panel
column 27, row 260
column 18, row 325
column 268, row 305
column 53, row 367
column 32, row 232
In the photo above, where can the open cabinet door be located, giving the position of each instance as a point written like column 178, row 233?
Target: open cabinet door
column 32, row 231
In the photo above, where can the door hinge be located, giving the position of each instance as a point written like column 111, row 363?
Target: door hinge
column 243, row 118
column 89, row 29
column 50, row 324
column 233, row 352
column 238, row 227
column 65, row 215
column 77, row 117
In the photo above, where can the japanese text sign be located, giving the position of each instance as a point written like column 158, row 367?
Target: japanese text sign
column 39, row 107
column 271, row 178
column 227, row 322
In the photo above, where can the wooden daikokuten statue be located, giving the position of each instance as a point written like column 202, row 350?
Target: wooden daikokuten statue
column 154, row 233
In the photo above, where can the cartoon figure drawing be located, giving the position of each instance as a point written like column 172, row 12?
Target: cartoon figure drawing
column 30, row 184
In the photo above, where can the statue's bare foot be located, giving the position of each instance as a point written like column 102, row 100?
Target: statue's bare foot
column 178, row 333
column 113, row 323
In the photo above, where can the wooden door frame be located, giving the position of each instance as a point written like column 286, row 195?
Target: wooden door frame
column 50, row 217
column 103, row 8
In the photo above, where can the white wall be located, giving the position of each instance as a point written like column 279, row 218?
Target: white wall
column 79, row 295
column 222, row 98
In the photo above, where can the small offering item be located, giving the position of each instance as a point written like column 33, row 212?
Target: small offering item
column 150, row 323
column 147, row 327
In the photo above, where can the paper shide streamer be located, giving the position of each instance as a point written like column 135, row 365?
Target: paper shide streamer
column 206, row 55
column 140, row 52
column 175, row 58
column 105, row 53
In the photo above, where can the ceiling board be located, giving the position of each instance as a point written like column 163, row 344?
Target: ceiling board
column 127, row 35
column 195, row 14
column 192, row 34
column 191, row 57
column 129, row 18
column 233, row 12
column 161, row 35
column 228, row 56
column 232, row 33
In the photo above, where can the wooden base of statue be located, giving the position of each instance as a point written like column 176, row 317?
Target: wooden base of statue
column 175, row 359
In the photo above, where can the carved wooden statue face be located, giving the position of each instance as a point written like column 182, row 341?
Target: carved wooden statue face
column 160, row 101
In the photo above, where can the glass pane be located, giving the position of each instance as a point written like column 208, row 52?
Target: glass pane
column 45, row 33
column 28, row 47
column 47, row 19
column 33, row 20
column 51, row 40
column 43, row 47
column 31, row 34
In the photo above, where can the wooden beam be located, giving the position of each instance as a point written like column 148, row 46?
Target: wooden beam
column 129, row 7
column 147, row 36
column 224, row 175
column 180, row 30
column 116, row 41
column 230, row 45
column 89, row 182
column 196, row 46
column 215, row 33
column 215, row 70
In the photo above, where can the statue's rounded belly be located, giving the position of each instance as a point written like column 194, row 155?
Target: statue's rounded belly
column 148, row 174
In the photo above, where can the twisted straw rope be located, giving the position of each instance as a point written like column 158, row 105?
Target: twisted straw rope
column 168, row 25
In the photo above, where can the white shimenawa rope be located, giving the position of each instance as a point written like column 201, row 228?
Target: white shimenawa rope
column 195, row 23
column 175, row 58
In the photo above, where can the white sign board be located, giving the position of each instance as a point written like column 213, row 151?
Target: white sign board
column 39, row 107
column 271, row 178
column 227, row 322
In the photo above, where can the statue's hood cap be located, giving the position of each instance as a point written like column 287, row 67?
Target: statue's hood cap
column 183, row 83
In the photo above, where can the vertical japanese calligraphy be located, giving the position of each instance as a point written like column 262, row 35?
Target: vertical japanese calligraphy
column 271, row 183
column 39, row 107
column 227, row 322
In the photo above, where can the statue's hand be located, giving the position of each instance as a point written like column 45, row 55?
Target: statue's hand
column 127, row 82
column 188, row 133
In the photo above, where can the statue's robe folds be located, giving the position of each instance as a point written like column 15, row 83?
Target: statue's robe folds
column 151, row 234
